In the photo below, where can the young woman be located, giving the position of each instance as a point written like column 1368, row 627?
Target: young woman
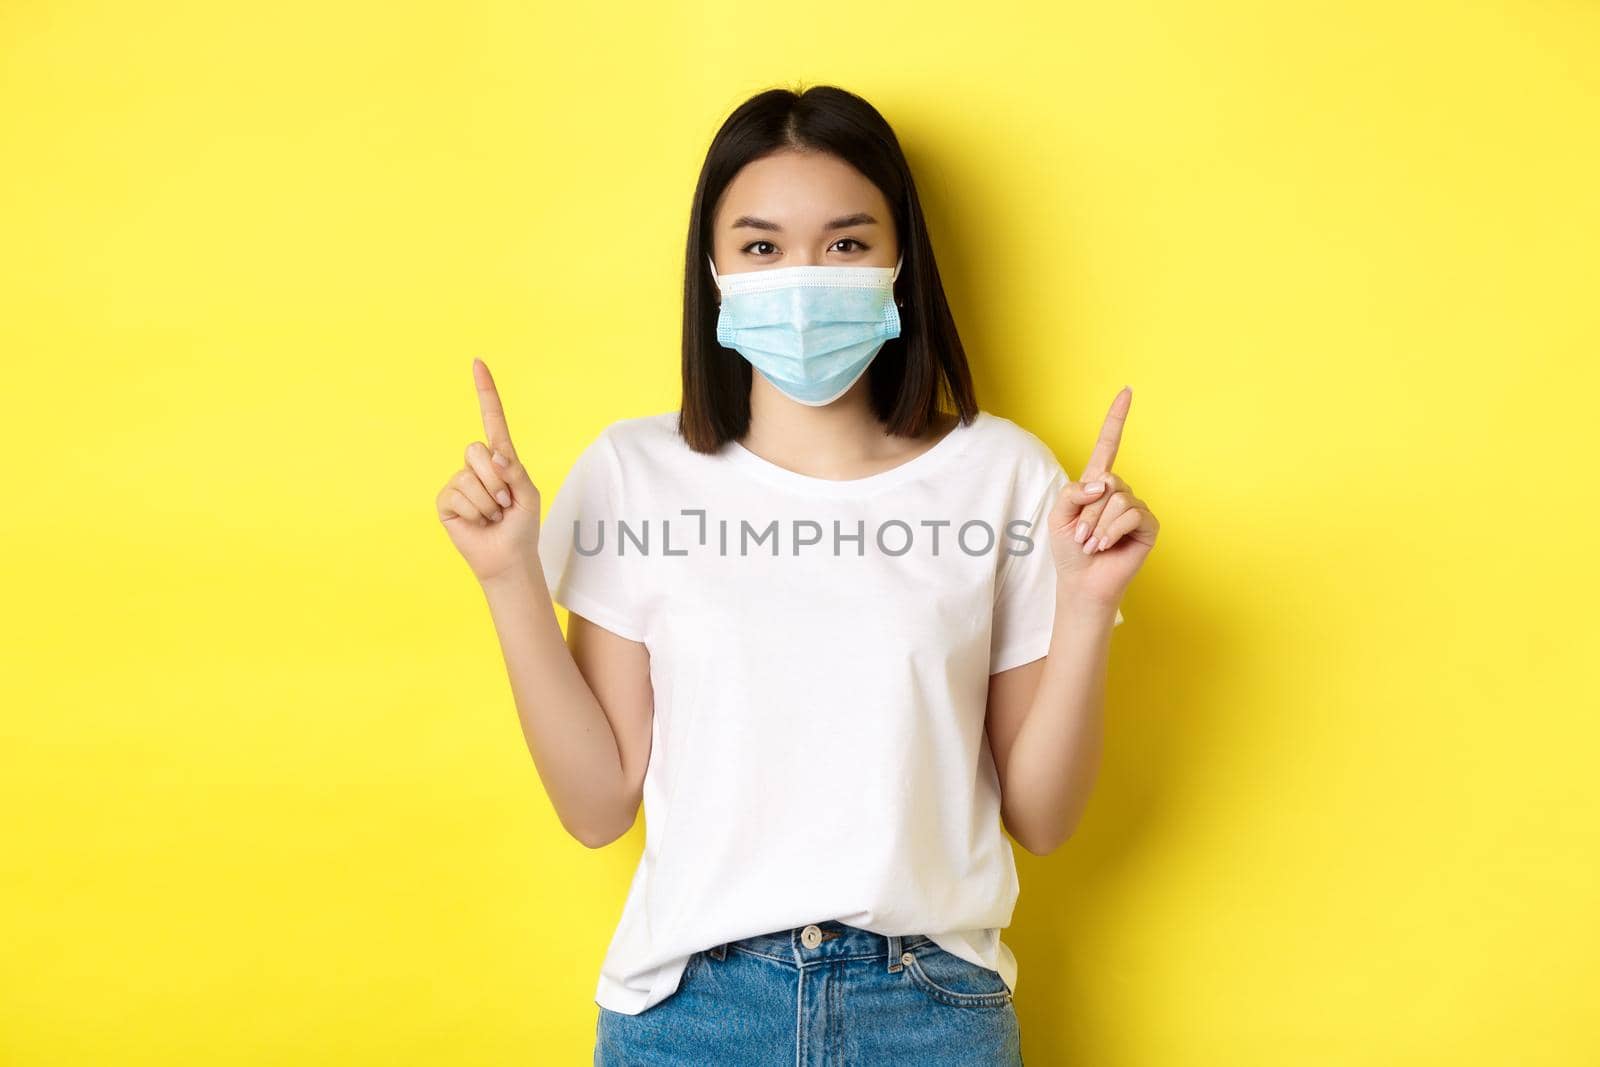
column 814, row 626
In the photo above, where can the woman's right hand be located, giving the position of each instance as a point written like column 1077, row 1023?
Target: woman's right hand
column 490, row 507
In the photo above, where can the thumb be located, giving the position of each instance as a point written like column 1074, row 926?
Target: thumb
column 523, row 491
column 1072, row 499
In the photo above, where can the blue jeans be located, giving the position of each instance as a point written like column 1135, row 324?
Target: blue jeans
column 851, row 997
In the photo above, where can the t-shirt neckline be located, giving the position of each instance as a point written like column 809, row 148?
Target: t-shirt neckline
column 952, row 442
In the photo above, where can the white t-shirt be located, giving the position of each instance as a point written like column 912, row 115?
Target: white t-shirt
column 820, row 653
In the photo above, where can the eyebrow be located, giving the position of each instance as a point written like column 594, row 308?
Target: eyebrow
column 860, row 218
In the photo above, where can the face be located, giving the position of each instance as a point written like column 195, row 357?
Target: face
column 796, row 208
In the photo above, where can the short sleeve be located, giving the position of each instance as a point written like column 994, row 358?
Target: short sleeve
column 579, row 544
column 1025, row 593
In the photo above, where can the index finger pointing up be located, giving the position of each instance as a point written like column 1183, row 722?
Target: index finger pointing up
column 1105, row 447
column 495, row 430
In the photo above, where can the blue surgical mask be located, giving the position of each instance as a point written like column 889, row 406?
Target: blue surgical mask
column 810, row 331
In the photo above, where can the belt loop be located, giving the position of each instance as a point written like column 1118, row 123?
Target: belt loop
column 894, row 953
column 720, row 951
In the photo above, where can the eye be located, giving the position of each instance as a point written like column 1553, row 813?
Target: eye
column 851, row 240
column 752, row 244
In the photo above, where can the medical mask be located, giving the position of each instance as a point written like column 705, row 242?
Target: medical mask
column 810, row 331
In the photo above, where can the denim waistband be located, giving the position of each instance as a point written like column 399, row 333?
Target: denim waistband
column 838, row 940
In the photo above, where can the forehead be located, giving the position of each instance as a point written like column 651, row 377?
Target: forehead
column 799, row 190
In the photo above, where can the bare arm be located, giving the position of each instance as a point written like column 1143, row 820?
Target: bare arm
column 585, row 705
column 1046, row 718
column 586, row 708
column 1045, row 724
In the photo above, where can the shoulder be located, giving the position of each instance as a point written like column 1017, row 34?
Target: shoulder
column 621, row 445
column 642, row 433
column 1008, row 443
column 648, row 449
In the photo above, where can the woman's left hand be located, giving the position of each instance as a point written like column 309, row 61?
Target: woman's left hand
column 1117, row 527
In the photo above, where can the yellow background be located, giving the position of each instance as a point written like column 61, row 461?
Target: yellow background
column 266, row 799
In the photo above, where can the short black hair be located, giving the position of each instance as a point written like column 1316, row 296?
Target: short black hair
column 912, row 373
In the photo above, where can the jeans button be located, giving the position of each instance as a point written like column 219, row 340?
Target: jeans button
column 811, row 936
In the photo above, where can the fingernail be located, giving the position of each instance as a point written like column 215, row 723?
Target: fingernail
column 497, row 514
column 1083, row 531
column 499, row 459
column 1104, row 541
column 1088, row 546
column 1094, row 487
column 504, row 498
